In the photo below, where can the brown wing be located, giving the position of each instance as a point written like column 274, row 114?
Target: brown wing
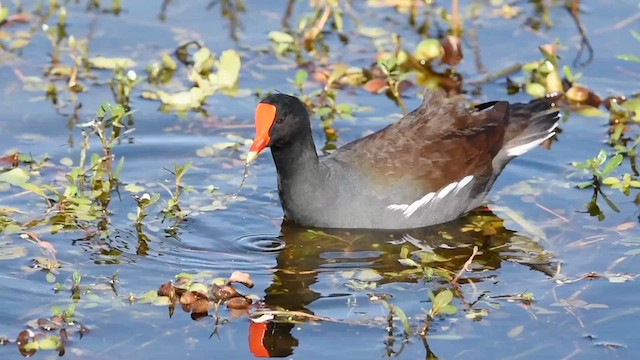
column 436, row 144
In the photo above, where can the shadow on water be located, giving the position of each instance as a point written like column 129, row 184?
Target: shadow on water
column 438, row 254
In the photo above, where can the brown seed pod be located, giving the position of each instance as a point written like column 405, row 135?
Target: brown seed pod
column 238, row 303
column 614, row 99
column 23, row 337
column 201, row 306
column 46, row 324
column 452, row 46
column 58, row 320
column 167, row 290
column 64, row 336
column 223, row 293
column 577, row 93
column 242, row 278
column 375, row 85
column 188, row 298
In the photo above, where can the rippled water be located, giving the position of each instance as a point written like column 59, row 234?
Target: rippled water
column 546, row 231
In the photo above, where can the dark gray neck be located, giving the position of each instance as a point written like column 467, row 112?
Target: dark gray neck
column 298, row 161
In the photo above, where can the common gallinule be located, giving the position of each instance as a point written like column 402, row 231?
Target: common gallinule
column 431, row 166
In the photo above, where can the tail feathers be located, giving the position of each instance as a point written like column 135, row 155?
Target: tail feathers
column 530, row 125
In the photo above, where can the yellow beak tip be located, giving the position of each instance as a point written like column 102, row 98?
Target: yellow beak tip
column 251, row 156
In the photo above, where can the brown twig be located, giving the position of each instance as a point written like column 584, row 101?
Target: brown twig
column 455, row 18
column 496, row 75
column 287, row 14
column 425, row 327
column 475, row 45
column 552, row 212
column 465, row 267
column 574, row 11
column 319, row 25
column 620, row 24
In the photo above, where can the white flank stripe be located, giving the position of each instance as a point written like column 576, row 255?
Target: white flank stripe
column 418, row 204
column 447, row 189
column 462, row 183
column 521, row 149
column 400, row 207
column 432, row 197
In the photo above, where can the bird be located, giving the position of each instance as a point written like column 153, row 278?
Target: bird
column 435, row 164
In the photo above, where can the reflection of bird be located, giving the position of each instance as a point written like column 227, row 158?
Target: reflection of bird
column 429, row 167
column 297, row 282
column 308, row 253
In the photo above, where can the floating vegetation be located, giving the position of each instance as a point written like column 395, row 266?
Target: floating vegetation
column 125, row 130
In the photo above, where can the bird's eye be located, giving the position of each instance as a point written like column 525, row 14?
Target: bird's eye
column 279, row 119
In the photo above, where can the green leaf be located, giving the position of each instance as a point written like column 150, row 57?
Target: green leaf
column 368, row 275
column 149, row 297
column 591, row 111
column 301, row 78
column 50, row 277
column 50, row 343
column 585, row 185
column 4, row 13
column 612, row 164
column 448, row 310
column 403, row 319
column 629, row 57
column 186, row 276
column 408, row 262
column 12, row 252
column 427, row 257
column 202, row 60
column 323, row 111
column 66, row 161
column 281, row 37
column 345, row 109
column 228, row 69
column 34, row 345
column 11, row 229
column 34, row 189
column 567, row 73
column 199, row 288
column 337, row 20
column 15, row 177
column 134, row 188
column 535, row 90
column 183, row 100
column 372, row 32
column 119, row 168
column 404, row 252
column 162, row 301
column 76, row 278
column 601, row 158
column 610, row 203
column 19, row 43
column 610, row 181
column 443, row 298
column 111, row 63
column 633, row 252
column 516, row 331
column 428, row 50
column 633, row 105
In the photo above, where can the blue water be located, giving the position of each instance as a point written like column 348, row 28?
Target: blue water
column 311, row 274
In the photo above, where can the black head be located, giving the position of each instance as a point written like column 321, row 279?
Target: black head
column 291, row 119
column 280, row 121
